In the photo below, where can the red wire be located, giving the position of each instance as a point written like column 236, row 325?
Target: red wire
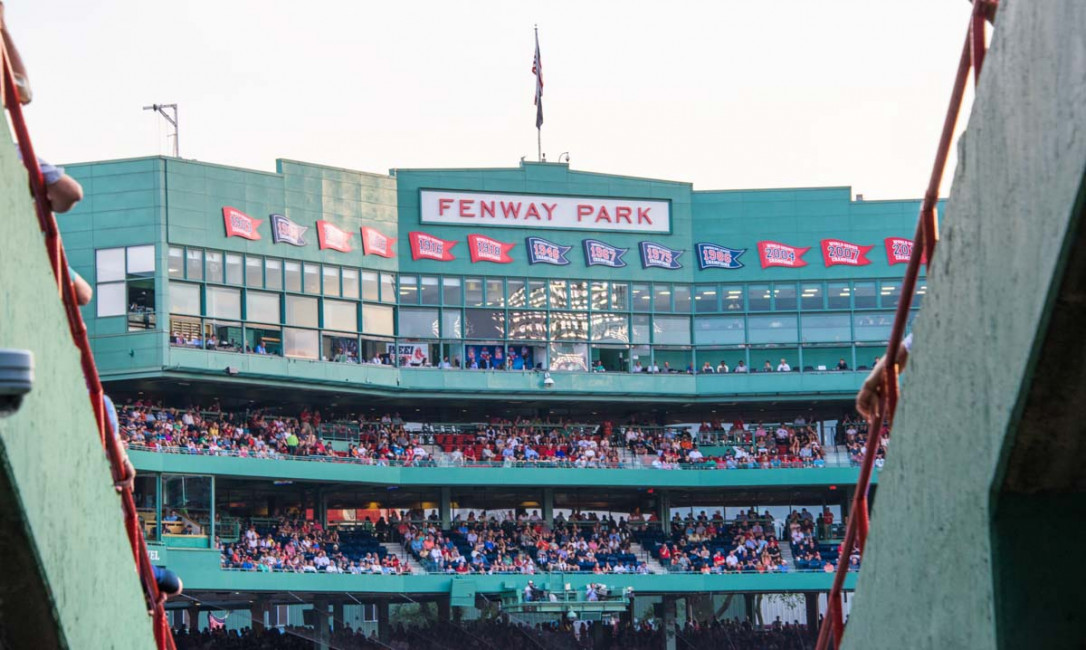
column 59, row 261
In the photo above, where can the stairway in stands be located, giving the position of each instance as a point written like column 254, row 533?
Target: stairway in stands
column 399, row 551
column 644, row 556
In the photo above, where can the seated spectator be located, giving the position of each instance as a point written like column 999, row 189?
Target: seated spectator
column 841, row 365
column 783, row 366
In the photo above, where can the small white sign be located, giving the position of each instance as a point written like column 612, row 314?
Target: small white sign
column 479, row 210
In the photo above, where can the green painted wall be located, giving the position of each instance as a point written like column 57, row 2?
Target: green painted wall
column 929, row 575
column 50, row 448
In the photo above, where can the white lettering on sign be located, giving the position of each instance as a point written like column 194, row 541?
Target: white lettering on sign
column 477, row 209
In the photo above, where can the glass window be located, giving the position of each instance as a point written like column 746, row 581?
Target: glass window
column 233, row 269
column 719, row 330
column 331, row 280
column 495, row 293
column 640, row 329
column 682, row 298
column 223, row 303
column 826, row 328
column 176, row 262
column 111, row 299
column 273, row 274
column 620, row 296
column 599, row 296
column 340, row 315
column 141, row 261
column 537, row 294
column 350, row 283
column 758, row 297
column 732, row 295
column 409, row 290
column 473, row 292
column 450, row 324
column 642, row 298
column 839, row 296
column 610, row 328
column 388, row 287
column 578, row 295
column 567, row 325
column 194, row 264
column 811, row 297
column 311, row 278
column 293, row 273
column 378, row 320
column 705, row 298
column 772, row 328
column 418, row 323
column 370, row 290
column 304, row 344
column 214, row 268
column 568, row 356
column 863, row 295
column 452, row 291
column 110, row 265
column 559, row 294
column 889, row 293
column 262, row 307
column 302, row 311
column 784, row 297
column 671, row 330
column 528, row 325
column 254, row 272
column 517, row 292
column 873, row 326
column 430, row 292
column 184, row 298
column 661, row 298
column 484, row 324
column 921, row 291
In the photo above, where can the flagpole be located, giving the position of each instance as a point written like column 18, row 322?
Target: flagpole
column 538, row 69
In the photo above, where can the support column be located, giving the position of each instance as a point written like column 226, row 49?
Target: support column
column 382, row 620
column 211, row 517
column 548, row 506
column 446, row 508
column 748, row 602
column 444, row 609
column 663, row 505
column 811, row 600
column 321, row 506
column 194, row 618
column 257, row 610
column 323, row 636
column 670, row 637
column 337, row 616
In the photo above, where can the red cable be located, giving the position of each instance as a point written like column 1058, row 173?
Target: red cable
column 59, row 261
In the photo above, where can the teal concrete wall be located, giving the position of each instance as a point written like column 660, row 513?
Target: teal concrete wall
column 929, row 575
column 50, row 448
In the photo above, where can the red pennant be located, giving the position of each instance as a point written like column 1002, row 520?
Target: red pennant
column 374, row 242
column 239, row 224
column 835, row 251
column 428, row 247
column 485, row 249
column 777, row 254
column 328, row 236
column 900, row 250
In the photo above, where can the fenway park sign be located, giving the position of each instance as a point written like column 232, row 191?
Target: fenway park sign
column 479, row 209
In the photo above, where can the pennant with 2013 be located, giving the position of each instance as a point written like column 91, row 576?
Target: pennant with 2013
column 900, row 250
column 777, row 254
column 375, row 242
column 662, row 257
column 329, row 236
column 485, row 249
column 427, row 247
column 712, row 256
column 598, row 253
column 285, row 231
column 239, row 224
column 835, row 251
column 541, row 251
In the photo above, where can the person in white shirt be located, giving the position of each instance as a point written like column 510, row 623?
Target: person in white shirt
column 783, row 366
column 654, row 369
column 637, row 367
column 740, row 367
column 722, row 368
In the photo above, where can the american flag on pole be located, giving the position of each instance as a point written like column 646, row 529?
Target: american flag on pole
column 537, row 70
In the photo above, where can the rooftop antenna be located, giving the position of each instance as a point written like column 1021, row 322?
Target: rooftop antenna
column 161, row 109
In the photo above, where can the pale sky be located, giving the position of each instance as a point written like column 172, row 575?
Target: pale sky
column 724, row 94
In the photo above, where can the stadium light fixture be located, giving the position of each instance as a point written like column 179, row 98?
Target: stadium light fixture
column 16, row 379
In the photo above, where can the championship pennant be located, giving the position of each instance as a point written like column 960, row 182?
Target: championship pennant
column 835, row 251
column 329, row 236
column 662, row 257
column 777, row 254
column 285, row 231
column 485, row 249
column 374, row 242
column 239, row 224
column 428, row 247
column 712, row 256
column 900, row 250
column 598, row 253
column 541, row 251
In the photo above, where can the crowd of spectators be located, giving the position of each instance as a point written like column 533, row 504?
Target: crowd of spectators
column 301, row 546
column 709, row 545
column 524, row 544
